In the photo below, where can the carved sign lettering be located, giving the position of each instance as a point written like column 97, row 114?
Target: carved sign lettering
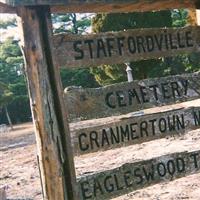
column 125, row 46
column 134, row 130
column 129, row 97
column 132, row 176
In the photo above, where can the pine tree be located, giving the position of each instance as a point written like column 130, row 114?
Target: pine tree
column 74, row 24
column 14, row 99
column 6, row 96
column 107, row 74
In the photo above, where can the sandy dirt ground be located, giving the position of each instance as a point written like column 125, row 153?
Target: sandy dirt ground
column 19, row 173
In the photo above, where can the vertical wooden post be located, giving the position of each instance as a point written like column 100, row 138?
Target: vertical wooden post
column 46, row 97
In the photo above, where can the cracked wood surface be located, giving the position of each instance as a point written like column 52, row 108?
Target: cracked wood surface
column 136, row 175
column 127, row 131
column 49, row 117
column 122, row 98
column 63, row 6
column 124, row 46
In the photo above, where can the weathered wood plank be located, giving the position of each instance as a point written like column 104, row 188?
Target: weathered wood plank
column 124, row 46
column 126, row 6
column 48, row 110
column 7, row 9
column 132, row 176
column 135, row 130
column 105, row 5
column 127, row 97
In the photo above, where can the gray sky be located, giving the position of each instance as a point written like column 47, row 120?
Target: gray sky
column 11, row 32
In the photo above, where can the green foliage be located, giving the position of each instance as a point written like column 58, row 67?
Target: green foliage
column 125, row 21
column 70, row 23
column 7, row 24
column 13, row 86
column 13, row 90
column 10, row 62
column 73, row 24
column 2, row 87
column 107, row 74
column 6, row 96
column 78, row 77
column 115, row 22
column 179, row 17
column 181, row 63
column 20, row 109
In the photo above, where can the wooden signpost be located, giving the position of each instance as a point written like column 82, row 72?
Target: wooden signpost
column 105, row 5
column 125, row 46
column 52, row 132
column 44, row 53
column 134, row 130
column 132, row 176
column 129, row 97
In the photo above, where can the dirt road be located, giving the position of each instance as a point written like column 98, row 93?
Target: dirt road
column 19, row 172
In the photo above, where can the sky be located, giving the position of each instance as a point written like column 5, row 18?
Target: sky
column 11, row 32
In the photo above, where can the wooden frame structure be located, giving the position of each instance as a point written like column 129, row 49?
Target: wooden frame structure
column 48, row 107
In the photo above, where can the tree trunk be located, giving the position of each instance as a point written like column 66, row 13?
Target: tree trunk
column 8, row 118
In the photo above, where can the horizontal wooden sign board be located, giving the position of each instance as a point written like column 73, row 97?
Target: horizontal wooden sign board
column 133, row 176
column 105, row 5
column 124, row 46
column 7, row 9
column 127, row 97
column 134, row 130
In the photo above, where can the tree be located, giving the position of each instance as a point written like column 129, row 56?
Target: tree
column 78, row 77
column 6, row 97
column 71, row 23
column 185, row 62
column 12, row 72
column 14, row 98
column 8, row 23
column 74, row 24
column 107, row 74
column 11, row 62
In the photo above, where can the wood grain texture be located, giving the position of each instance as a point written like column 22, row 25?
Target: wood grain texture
column 133, row 176
column 7, row 9
column 126, row 6
column 135, row 130
column 127, row 97
column 105, row 5
column 52, row 131
column 124, row 46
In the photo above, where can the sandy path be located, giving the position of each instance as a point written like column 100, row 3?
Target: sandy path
column 19, row 171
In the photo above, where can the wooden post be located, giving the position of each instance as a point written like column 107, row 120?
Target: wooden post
column 50, row 120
